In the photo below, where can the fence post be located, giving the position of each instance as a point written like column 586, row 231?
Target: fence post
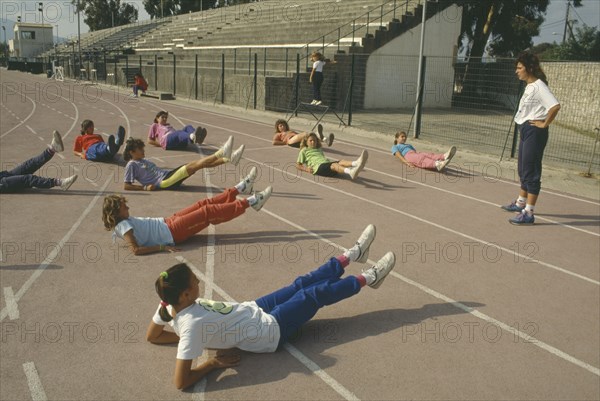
column 297, row 84
column 156, row 72
column 196, row 78
column 264, row 62
column 286, row 61
column 351, row 91
column 235, row 61
column 140, row 64
column 105, row 68
column 223, row 78
column 126, row 70
column 255, row 78
column 116, row 76
column 418, row 109
column 174, row 74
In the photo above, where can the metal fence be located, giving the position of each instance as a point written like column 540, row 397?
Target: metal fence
column 468, row 105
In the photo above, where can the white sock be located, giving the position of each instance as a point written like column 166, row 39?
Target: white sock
column 241, row 186
column 347, row 170
column 252, row 200
column 529, row 208
column 355, row 163
column 192, row 136
column 352, row 253
column 521, row 200
column 369, row 276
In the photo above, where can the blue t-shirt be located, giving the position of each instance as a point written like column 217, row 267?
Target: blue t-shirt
column 148, row 231
column 144, row 171
column 402, row 148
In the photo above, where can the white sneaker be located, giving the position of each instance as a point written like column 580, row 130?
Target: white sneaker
column 450, row 153
column 441, row 164
column 364, row 243
column 262, row 198
column 318, row 102
column 362, row 160
column 249, row 181
column 354, row 172
column 237, row 155
column 57, row 143
column 313, row 102
column 376, row 274
column 67, row 182
column 228, row 148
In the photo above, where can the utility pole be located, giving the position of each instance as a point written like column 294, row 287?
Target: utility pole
column 566, row 21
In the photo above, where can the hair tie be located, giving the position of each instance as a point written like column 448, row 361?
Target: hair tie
column 164, row 275
column 163, row 303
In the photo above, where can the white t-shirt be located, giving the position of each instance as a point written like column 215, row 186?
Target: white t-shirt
column 318, row 65
column 535, row 103
column 222, row 325
column 148, row 231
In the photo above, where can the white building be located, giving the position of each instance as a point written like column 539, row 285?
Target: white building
column 31, row 40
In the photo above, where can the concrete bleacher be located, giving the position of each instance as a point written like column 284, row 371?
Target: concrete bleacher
column 268, row 23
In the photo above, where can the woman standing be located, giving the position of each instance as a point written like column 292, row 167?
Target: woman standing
column 537, row 109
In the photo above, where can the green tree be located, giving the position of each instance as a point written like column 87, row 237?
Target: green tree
column 161, row 8
column 102, row 14
column 583, row 46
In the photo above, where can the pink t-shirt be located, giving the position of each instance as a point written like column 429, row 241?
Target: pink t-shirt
column 160, row 132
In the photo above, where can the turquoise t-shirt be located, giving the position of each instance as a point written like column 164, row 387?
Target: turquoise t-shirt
column 313, row 158
column 403, row 148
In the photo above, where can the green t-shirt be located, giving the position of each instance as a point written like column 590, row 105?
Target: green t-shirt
column 313, row 158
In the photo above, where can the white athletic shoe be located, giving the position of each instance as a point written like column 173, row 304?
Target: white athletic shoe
column 450, row 153
column 376, row 274
column 228, row 148
column 441, row 164
column 364, row 243
column 318, row 103
column 237, row 155
column 262, row 198
column 67, row 182
column 313, row 102
column 354, row 172
column 57, row 143
column 249, row 181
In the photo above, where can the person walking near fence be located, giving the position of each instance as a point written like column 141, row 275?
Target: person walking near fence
column 316, row 77
column 538, row 107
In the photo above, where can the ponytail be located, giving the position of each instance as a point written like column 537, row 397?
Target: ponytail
column 169, row 285
column 85, row 125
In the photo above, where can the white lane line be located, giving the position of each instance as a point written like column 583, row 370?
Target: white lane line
column 11, row 303
column 35, row 384
column 295, row 352
column 57, row 249
column 441, row 227
column 538, row 343
column 512, row 183
column 538, row 217
column 22, row 121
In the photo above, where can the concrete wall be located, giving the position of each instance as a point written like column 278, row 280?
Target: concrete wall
column 391, row 83
column 575, row 85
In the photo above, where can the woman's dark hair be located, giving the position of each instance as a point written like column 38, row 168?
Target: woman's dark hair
column 531, row 62
column 131, row 145
column 280, row 121
column 85, row 125
column 318, row 55
column 304, row 142
column 169, row 287
column 138, row 74
column 398, row 136
column 160, row 114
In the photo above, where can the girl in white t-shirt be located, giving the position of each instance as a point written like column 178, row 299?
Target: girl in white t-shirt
column 316, row 77
column 146, row 235
column 537, row 109
column 258, row 326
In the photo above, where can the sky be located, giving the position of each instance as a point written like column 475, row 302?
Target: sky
column 61, row 13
